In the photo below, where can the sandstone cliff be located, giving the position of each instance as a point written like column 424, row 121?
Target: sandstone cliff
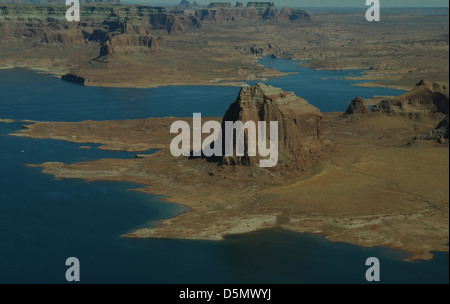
column 46, row 24
column 299, row 123
column 116, row 29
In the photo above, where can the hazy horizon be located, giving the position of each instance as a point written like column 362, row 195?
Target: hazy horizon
column 313, row 3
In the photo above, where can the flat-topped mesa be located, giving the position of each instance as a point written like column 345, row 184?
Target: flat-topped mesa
column 299, row 123
column 425, row 99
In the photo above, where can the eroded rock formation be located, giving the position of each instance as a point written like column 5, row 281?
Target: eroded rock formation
column 426, row 98
column 357, row 107
column 116, row 29
column 299, row 123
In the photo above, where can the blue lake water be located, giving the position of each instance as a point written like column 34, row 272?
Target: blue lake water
column 44, row 221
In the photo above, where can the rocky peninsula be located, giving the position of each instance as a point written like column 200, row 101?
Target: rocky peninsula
column 367, row 177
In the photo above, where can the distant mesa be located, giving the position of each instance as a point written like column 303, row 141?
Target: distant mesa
column 299, row 123
column 74, row 78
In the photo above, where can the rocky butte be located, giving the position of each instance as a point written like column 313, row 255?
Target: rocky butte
column 299, row 123
column 264, row 127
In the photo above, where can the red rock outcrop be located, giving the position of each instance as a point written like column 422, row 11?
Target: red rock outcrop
column 299, row 123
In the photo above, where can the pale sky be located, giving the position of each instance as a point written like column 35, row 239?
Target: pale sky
column 314, row 3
